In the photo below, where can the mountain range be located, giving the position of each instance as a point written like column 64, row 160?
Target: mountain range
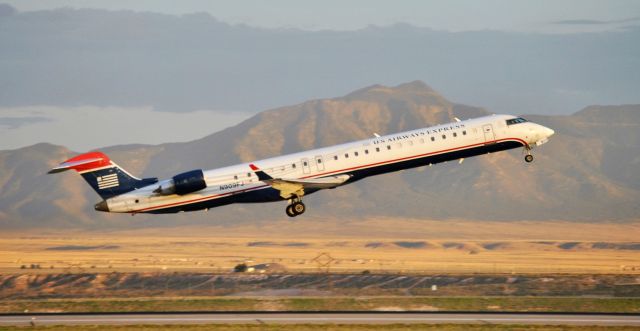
column 589, row 170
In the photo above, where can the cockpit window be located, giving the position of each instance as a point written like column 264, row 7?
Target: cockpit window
column 516, row 121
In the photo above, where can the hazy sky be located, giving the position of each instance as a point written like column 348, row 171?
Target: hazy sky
column 70, row 77
column 87, row 127
column 457, row 15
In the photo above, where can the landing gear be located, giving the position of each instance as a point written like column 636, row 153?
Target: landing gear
column 528, row 158
column 296, row 207
column 290, row 212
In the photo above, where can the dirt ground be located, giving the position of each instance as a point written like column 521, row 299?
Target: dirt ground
column 409, row 246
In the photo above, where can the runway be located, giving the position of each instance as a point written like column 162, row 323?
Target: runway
column 321, row 318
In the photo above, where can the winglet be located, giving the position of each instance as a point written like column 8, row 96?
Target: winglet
column 261, row 174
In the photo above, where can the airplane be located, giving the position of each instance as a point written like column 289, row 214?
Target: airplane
column 293, row 176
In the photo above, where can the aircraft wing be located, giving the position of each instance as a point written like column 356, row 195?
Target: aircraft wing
column 291, row 187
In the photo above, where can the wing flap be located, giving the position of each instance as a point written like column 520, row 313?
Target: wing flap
column 316, row 183
column 290, row 187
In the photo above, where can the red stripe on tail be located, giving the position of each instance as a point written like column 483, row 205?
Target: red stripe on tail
column 101, row 161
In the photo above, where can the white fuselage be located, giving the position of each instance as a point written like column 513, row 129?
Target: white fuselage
column 357, row 159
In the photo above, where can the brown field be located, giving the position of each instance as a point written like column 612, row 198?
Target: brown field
column 332, row 327
column 383, row 245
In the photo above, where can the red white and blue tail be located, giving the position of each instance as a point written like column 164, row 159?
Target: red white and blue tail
column 104, row 175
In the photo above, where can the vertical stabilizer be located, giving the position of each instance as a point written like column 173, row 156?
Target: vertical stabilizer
column 104, row 175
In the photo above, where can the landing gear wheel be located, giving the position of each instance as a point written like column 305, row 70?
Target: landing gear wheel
column 298, row 208
column 528, row 158
column 290, row 212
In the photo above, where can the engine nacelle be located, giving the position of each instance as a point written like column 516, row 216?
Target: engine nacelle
column 188, row 182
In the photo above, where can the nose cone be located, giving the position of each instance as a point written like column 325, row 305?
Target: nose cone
column 102, row 206
column 548, row 132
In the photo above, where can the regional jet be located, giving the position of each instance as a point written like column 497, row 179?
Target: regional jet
column 293, row 176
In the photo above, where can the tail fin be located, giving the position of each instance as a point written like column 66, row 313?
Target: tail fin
column 104, row 176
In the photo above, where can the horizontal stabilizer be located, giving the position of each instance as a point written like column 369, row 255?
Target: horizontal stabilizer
column 72, row 165
column 84, row 162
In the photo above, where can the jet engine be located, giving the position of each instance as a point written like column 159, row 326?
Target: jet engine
column 184, row 183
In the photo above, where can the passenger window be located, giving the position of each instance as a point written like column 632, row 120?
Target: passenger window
column 248, row 174
column 464, row 133
column 346, row 155
column 355, row 153
column 319, row 160
column 366, row 151
column 389, row 147
column 377, row 149
column 235, row 177
column 455, row 134
column 444, row 136
column 293, row 165
column 304, row 163
column 335, row 157
column 433, row 138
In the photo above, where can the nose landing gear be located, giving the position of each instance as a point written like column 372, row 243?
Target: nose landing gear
column 528, row 158
column 296, row 207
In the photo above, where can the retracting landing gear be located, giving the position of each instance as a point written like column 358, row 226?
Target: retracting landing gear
column 296, row 207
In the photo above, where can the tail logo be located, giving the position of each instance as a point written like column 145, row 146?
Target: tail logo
column 108, row 181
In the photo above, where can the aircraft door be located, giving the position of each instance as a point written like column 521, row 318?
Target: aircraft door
column 320, row 163
column 489, row 136
column 305, row 166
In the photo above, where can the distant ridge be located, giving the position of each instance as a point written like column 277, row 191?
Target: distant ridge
column 417, row 87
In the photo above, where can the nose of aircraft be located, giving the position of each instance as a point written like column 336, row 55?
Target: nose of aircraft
column 548, row 132
column 101, row 206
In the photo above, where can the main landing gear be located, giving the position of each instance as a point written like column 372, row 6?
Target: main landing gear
column 296, row 207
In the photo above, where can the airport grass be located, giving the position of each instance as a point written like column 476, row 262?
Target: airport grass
column 520, row 304
column 315, row 327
